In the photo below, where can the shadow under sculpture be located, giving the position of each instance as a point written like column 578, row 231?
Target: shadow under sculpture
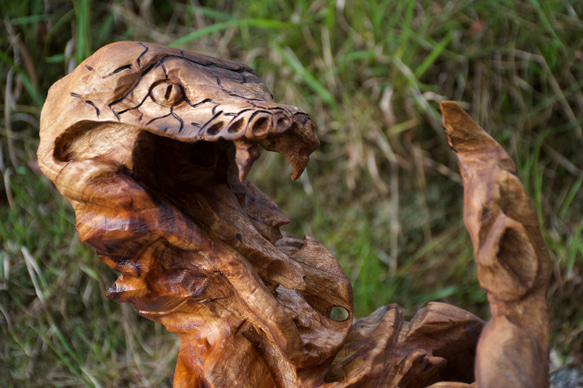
column 152, row 147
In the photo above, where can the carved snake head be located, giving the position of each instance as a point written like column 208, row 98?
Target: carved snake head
column 177, row 95
column 152, row 147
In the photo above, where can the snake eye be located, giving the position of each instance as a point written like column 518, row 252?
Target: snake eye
column 167, row 93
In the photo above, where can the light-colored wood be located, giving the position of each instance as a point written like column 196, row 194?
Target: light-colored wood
column 152, row 147
column 512, row 258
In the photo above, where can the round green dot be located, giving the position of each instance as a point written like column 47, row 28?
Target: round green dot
column 338, row 314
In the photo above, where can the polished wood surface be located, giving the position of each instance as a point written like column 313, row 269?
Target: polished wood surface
column 152, row 147
column 512, row 258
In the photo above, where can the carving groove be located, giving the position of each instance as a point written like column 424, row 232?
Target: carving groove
column 199, row 247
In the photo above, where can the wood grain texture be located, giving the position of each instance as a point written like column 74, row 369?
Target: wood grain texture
column 152, row 147
column 512, row 258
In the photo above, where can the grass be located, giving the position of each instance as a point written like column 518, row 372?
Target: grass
column 383, row 192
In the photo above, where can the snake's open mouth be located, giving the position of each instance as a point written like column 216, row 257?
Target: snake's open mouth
column 207, row 182
column 162, row 143
column 152, row 146
column 201, row 180
column 154, row 182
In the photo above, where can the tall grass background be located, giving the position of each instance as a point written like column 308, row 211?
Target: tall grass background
column 383, row 193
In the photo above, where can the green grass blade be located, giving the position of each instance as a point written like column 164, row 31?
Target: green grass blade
column 262, row 23
column 406, row 29
column 32, row 19
column 105, row 29
column 330, row 14
column 268, row 23
column 209, row 12
column 25, row 78
column 205, row 31
column 62, row 356
column 83, row 41
column 308, row 77
column 547, row 24
column 569, row 198
column 435, row 53
column 537, row 176
column 575, row 247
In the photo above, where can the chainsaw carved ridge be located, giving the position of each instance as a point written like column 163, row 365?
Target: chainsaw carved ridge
column 152, row 146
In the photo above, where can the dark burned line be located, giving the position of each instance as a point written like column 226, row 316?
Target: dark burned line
column 245, row 98
column 264, row 110
column 89, row 68
column 143, row 53
column 135, row 107
column 122, row 68
column 269, row 108
column 177, row 118
column 148, row 69
column 161, row 62
column 89, row 102
column 118, row 70
column 236, row 117
column 93, row 105
column 164, row 67
column 241, row 67
column 159, row 118
column 168, row 115
column 306, row 117
column 277, row 108
column 115, row 113
column 242, row 111
column 205, row 101
column 239, row 70
column 256, row 113
column 230, row 93
column 212, row 119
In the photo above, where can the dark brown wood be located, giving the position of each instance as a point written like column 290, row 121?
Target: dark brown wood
column 152, row 147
